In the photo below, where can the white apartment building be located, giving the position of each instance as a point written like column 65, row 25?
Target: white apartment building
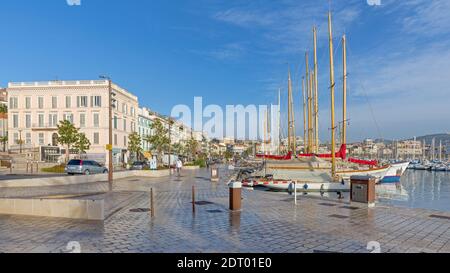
column 145, row 121
column 36, row 108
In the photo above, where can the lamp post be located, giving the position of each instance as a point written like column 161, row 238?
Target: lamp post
column 20, row 141
column 170, row 144
column 110, row 147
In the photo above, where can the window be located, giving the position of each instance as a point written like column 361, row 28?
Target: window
column 16, row 138
column 125, row 125
column 54, row 102
column 68, row 117
column 53, row 120
column 13, row 104
column 115, row 122
column 82, row 120
column 41, row 102
column 15, row 121
column 82, row 101
column 96, row 120
column 133, row 127
column 96, row 138
column 28, row 138
column 68, row 101
column 41, row 120
column 28, row 120
column 41, row 138
column 27, row 102
column 132, row 111
column 115, row 140
column 96, row 101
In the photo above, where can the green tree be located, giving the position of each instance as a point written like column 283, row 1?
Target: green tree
column 134, row 144
column 3, row 109
column 193, row 148
column 82, row 144
column 159, row 139
column 67, row 135
column 4, row 140
column 178, row 148
column 228, row 155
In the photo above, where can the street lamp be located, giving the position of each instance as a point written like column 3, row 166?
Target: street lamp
column 170, row 144
column 110, row 146
column 20, row 141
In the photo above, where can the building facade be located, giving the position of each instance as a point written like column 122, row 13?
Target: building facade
column 36, row 108
column 145, row 121
column 3, row 116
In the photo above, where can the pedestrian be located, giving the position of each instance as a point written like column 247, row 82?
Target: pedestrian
column 179, row 165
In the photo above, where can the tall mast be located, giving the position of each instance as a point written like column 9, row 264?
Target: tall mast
column 308, row 141
column 265, row 131
column 289, row 111
column 304, row 114
column 310, row 114
column 279, row 121
column 332, row 86
column 316, row 91
column 440, row 151
column 292, row 117
column 344, row 87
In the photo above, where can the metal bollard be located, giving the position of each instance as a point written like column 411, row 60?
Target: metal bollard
column 193, row 199
column 152, row 206
column 235, row 196
column 214, row 174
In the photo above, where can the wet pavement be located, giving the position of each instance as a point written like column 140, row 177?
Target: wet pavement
column 269, row 222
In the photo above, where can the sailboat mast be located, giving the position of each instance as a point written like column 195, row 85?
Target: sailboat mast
column 310, row 114
column 289, row 111
column 332, row 86
column 292, row 146
column 304, row 115
column 279, row 121
column 344, row 88
column 316, row 91
column 308, row 141
column 440, row 151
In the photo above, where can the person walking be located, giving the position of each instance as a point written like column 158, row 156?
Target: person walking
column 179, row 165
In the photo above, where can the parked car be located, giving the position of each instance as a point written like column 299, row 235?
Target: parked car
column 139, row 165
column 86, row 167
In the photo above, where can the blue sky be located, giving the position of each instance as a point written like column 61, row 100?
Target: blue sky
column 236, row 52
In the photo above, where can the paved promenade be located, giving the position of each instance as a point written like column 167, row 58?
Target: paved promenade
column 269, row 222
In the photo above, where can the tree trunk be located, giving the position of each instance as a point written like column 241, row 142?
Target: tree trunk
column 67, row 153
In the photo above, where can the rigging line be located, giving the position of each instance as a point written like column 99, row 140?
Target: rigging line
column 366, row 97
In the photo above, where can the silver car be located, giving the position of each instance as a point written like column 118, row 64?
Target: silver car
column 86, row 167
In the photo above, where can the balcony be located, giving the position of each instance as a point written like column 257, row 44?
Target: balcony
column 44, row 127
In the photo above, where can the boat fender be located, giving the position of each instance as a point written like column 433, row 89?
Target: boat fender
column 291, row 188
column 322, row 188
column 305, row 186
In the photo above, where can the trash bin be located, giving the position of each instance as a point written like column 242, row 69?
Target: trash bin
column 214, row 174
column 363, row 189
column 235, row 196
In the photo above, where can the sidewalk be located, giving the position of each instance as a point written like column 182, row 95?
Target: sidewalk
column 269, row 222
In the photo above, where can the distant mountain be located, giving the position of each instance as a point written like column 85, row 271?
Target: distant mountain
column 445, row 138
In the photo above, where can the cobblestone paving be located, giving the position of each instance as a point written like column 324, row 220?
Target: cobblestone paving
column 269, row 222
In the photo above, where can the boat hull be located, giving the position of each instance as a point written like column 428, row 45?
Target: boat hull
column 395, row 173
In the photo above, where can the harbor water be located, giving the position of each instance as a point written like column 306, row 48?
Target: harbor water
column 421, row 189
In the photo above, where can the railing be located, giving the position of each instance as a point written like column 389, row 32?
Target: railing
column 43, row 126
column 57, row 83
